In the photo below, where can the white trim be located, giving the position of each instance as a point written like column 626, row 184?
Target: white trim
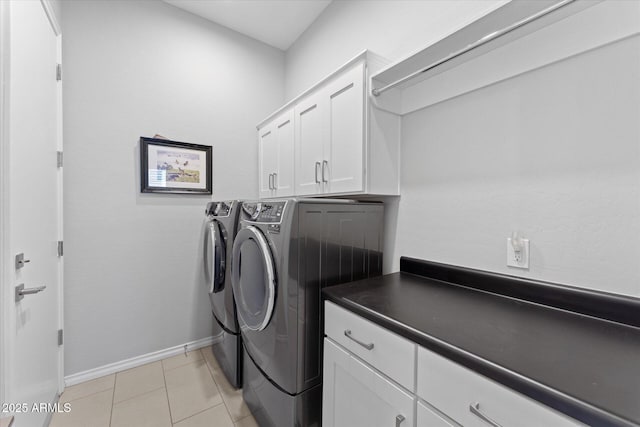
column 48, row 10
column 6, row 341
column 60, row 211
column 112, row 368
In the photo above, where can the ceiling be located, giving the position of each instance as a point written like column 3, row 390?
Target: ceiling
column 278, row 23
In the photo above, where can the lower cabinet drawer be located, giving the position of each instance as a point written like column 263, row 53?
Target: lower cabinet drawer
column 389, row 353
column 354, row 395
column 426, row 417
column 476, row 401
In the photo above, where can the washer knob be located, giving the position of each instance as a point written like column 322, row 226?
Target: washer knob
column 256, row 213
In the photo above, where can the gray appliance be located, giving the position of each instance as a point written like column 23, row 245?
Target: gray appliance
column 285, row 252
column 220, row 230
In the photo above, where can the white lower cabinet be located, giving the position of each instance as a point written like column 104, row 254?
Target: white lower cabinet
column 372, row 378
column 354, row 395
column 474, row 400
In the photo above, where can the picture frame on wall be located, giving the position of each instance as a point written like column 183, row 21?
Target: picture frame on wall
column 175, row 167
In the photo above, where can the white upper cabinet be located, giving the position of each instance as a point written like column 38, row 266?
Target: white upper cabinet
column 276, row 156
column 268, row 159
column 309, row 143
column 342, row 144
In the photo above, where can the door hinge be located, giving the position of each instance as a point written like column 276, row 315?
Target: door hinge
column 60, row 337
column 59, row 157
column 58, row 72
column 60, row 248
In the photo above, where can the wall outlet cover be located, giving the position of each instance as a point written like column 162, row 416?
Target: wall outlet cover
column 516, row 260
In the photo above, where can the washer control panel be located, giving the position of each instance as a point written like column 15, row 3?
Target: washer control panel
column 268, row 212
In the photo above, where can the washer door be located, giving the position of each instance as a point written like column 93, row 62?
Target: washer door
column 214, row 257
column 253, row 279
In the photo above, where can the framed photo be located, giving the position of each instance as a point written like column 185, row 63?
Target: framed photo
column 174, row 167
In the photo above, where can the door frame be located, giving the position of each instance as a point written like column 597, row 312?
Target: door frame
column 6, row 273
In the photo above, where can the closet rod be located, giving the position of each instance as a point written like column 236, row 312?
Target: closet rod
column 484, row 40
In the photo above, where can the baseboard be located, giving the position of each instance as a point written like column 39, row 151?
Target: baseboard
column 112, row 368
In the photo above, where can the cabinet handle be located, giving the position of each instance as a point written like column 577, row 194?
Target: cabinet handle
column 275, row 177
column 399, row 420
column 270, row 184
column 347, row 333
column 324, row 162
column 475, row 410
column 317, row 166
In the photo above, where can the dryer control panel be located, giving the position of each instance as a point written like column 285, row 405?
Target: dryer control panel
column 218, row 208
column 266, row 212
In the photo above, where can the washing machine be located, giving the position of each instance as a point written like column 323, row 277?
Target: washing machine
column 285, row 252
column 220, row 230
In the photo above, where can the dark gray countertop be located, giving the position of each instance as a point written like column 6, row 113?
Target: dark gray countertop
column 585, row 367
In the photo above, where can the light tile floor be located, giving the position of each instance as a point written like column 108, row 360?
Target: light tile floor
column 181, row 391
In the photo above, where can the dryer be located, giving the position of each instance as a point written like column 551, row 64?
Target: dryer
column 220, row 230
column 285, row 252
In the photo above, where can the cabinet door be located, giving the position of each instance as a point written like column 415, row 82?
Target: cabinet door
column 344, row 155
column 284, row 131
column 355, row 395
column 268, row 160
column 309, row 141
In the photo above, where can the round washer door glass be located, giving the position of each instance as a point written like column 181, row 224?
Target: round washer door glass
column 253, row 278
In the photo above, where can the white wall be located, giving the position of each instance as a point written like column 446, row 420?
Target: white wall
column 56, row 5
column 553, row 153
column 131, row 69
column 393, row 29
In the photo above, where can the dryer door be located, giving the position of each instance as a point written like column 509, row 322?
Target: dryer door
column 214, row 256
column 253, row 279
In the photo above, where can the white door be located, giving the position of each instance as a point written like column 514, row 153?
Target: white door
column 31, row 211
column 268, row 159
column 283, row 180
column 309, row 140
column 354, row 395
column 344, row 155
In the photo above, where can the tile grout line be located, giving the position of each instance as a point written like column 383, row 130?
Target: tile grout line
column 199, row 412
column 203, row 359
column 113, row 396
column 219, row 387
column 185, row 364
column 87, row 395
column 166, row 392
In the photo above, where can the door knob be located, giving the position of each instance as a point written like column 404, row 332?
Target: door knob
column 21, row 291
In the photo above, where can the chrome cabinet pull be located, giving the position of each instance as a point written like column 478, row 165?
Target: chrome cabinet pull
column 324, row 162
column 474, row 408
column 317, row 166
column 399, row 420
column 347, row 333
column 21, row 291
column 270, row 181
column 275, row 180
